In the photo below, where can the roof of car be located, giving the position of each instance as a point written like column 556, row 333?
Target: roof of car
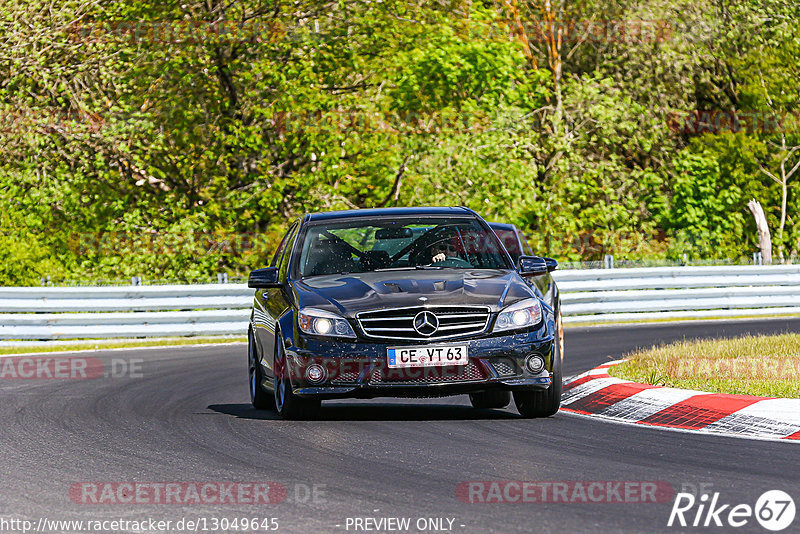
column 502, row 226
column 391, row 212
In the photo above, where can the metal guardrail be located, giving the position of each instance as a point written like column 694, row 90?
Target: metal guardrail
column 588, row 296
column 620, row 295
column 124, row 311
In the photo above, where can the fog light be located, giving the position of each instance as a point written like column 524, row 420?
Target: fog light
column 534, row 364
column 315, row 373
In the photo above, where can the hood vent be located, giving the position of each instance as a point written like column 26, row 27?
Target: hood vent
column 393, row 287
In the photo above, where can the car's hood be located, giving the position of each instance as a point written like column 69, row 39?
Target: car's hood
column 348, row 294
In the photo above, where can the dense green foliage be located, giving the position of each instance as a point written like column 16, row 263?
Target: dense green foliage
column 174, row 140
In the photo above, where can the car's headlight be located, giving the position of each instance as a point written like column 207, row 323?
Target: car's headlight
column 323, row 323
column 523, row 314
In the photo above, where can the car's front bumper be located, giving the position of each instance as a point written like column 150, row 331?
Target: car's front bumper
column 359, row 369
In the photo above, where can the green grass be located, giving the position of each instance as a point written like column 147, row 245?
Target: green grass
column 767, row 366
column 120, row 344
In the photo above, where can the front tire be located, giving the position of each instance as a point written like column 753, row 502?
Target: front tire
column 486, row 400
column 258, row 397
column 537, row 403
column 287, row 404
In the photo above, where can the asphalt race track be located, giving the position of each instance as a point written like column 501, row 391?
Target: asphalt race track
column 184, row 415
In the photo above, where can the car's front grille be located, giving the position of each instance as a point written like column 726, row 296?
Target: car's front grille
column 427, row 375
column 453, row 321
column 504, row 367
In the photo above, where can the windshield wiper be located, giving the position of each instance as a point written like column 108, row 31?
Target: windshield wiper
column 340, row 273
column 385, row 269
column 409, row 268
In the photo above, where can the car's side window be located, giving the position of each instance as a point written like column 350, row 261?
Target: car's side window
column 526, row 248
column 283, row 266
column 282, row 246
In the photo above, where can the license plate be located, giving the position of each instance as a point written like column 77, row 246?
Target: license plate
column 427, row 356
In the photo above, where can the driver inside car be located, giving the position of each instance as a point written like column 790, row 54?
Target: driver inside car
column 443, row 250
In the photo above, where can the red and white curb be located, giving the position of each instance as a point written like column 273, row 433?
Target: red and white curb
column 596, row 393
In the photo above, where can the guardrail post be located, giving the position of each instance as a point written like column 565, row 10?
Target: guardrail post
column 757, row 258
column 222, row 278
column 608, row 261
column 136, row 281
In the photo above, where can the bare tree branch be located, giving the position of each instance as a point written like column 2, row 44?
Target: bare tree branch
column 398, row 182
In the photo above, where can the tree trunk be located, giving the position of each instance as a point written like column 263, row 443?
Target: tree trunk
column 764, row 241
column 784, row 196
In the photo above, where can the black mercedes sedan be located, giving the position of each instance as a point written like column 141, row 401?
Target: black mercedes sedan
column 403, row 302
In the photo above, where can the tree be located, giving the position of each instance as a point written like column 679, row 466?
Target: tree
column 763, row 231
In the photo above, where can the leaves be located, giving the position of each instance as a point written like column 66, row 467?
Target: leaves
column 214, row 122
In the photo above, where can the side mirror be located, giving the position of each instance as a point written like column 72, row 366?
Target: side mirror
column 552, row 264
column 532, row 266
column 264, row 278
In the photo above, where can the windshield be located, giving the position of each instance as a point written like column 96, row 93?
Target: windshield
column 357, row 246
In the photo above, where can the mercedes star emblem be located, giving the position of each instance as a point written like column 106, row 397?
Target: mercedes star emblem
column 426, row 323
